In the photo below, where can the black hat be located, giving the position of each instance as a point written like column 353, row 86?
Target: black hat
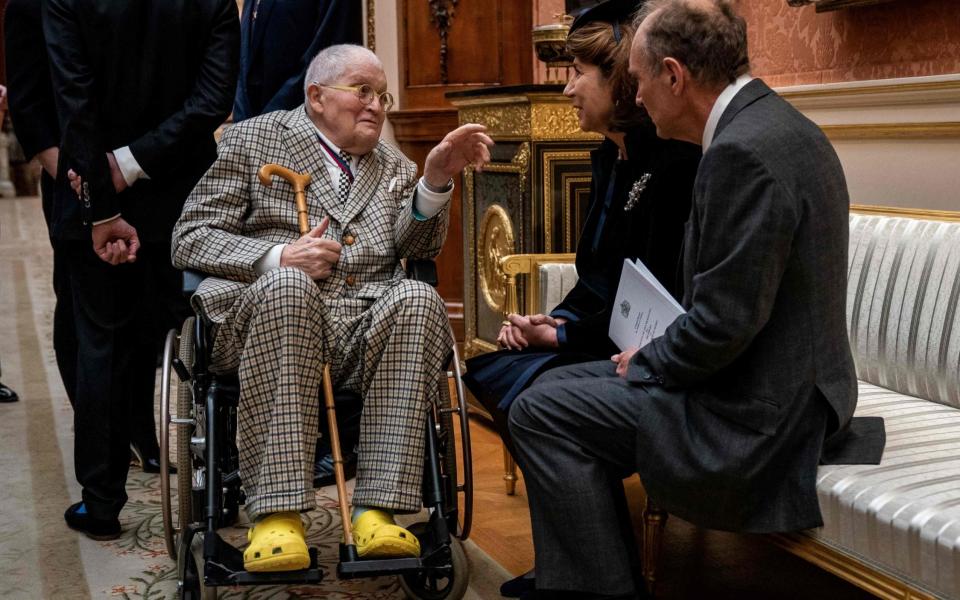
column 609, row 11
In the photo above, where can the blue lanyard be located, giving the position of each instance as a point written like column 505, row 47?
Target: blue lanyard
column 336, row 158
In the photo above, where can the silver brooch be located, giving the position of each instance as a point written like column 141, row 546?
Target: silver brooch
column 633, row 197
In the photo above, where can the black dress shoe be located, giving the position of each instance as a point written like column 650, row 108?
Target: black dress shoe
column 7, row 395
column 149, row 461
column 517, row 586
column 78, row 519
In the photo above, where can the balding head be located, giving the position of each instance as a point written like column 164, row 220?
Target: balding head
column 707, row 37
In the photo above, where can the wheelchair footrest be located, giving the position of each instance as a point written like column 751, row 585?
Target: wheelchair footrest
column 225, row 567
column 352, row 566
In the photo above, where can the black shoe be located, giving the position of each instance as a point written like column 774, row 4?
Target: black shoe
column 323, row 469
column 149, row 461
column 7, row 395
column 97, row 529
column 517, row 586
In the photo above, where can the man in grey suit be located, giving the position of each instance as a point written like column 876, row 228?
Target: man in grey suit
column 283, row 304
column 727, row 415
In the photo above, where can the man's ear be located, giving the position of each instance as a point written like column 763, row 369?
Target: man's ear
column 314, row 98
column 674, row 72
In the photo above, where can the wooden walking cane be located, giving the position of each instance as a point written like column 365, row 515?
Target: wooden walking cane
column 337, row 457
column 300, row 181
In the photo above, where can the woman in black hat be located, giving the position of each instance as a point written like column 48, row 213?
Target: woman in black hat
column 639, row 201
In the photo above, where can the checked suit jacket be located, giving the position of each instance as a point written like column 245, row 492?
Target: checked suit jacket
column 231, row 220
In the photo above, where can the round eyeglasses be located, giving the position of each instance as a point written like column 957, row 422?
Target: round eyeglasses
column 365, row 93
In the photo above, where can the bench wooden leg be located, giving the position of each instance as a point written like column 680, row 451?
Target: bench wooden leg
column 509, row 472
column 654, row 521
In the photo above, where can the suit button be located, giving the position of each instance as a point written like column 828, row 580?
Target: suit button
column 349, row 239
column 350, row 279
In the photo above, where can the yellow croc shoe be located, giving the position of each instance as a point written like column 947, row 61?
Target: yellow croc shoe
column 378, row 536
column 276, row 544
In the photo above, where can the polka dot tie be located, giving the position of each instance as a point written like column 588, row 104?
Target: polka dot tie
column 344, row 183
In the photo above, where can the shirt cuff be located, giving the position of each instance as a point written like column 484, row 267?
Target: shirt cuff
column 562, row 335
column 427, row 203
column 270, row 260
column 107, row 220
column 564, row 314
column 129, row 166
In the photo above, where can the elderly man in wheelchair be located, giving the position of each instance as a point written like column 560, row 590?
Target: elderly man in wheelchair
column 283, row 302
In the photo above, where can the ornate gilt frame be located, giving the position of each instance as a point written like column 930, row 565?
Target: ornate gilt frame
column 549, row 157
column 520, row 165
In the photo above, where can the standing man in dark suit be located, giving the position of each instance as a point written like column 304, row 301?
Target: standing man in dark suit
column 34, row 115
column 141, row 87
column 278, row 39
column 34, row 118
column 725, row 416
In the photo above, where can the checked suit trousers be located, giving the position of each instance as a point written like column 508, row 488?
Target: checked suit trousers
column 390, row 349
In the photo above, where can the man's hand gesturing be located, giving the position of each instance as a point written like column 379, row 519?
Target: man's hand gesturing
column 313, row 253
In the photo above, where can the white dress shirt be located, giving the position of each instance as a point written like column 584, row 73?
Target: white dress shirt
column 723, row 100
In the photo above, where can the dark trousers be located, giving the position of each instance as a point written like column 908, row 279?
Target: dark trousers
column 119, row 312
column 575, row 443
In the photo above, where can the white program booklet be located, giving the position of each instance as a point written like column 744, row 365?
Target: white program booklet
column 643, row 308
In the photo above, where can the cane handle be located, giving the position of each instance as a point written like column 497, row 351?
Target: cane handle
column 299, row 181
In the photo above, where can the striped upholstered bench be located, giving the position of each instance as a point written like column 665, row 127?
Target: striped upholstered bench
column 892, row 528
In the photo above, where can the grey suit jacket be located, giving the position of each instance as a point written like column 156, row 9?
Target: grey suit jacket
column 764, row 338
column 230, row 220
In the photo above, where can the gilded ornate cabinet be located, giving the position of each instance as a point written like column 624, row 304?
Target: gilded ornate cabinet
column 531, row 198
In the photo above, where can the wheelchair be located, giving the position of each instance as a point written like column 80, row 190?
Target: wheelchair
column 210, row 491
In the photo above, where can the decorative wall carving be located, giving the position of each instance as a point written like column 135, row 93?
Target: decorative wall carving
column 526, row 118
column 496, row 239
column 441, row 15
column 371, row 25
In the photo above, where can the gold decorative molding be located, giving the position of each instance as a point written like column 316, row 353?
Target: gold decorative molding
column 887, row 131
column 556, row 121
column 534, row 117
column 567, row 181
column 519, row 164
column 469, row 260
column 501, row 121
column 372, row 25
column 847, row 567
column 496, row 237
column 548, row 160
column 910, row 213
column 528, row 265
column 477, row 346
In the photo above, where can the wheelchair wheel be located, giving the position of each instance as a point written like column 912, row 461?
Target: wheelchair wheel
column 185, row 430
column 440, row 585
column 447, row 411
column 190, row 570
column 175, row 347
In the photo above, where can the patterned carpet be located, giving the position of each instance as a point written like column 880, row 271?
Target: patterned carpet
column 39, row 556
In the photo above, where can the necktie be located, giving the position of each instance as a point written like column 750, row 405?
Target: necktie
column 343, row 187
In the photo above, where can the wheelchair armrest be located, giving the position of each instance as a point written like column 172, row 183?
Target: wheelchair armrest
column 423, row 269
column 191, row 281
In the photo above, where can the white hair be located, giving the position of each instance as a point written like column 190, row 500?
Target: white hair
column 332, row 62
